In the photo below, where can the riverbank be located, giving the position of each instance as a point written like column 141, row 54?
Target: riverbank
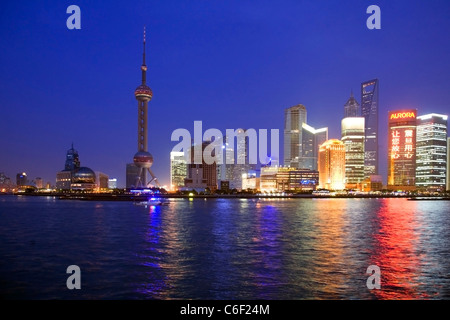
column 143, row 197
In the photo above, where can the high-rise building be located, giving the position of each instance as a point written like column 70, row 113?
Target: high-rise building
column 72, row 160
column 353, row 138
column 351, row 107
column 431, row 152
column 294, row 117
column 311, row 140
column 178, row 169
column 369, row 110
column 142, row 159
column 201, row 175
column 301, row 141
column 402, row 150
column 332, row 165
column 21, row 179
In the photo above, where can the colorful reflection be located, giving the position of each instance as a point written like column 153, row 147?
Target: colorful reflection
column 396, row 251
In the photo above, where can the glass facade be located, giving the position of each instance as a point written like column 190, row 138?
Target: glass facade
column 369, row 110
column 431, row 152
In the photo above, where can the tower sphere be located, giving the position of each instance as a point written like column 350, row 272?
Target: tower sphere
column 143, row 93
column 143, row 159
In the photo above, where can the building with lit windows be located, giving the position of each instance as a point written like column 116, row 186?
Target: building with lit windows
column 178, row 169
column 402, row 150
column 369, row 110
column 332, row 165
column 353, row 138
column 112, row 183
column 282, row 179
column 431, row 152
column 301, row 141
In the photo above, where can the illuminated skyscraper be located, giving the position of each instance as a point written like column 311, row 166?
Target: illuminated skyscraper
column 178, row 169
column 332, row 165
column 369, row 110
column 301, row 141
column 353, row 138
column 351, row 107
column 402, row 150
column 142, row 160
column 431, row 152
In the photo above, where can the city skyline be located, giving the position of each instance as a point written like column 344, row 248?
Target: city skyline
column 189, row 89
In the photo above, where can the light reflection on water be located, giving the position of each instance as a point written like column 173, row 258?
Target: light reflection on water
column 225, row 248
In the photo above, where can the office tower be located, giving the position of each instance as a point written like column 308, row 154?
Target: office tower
column 130, row 178
column 294, row 117
column 142, row 159
column 301, row 141
column 39, row 183
column 402, row 150
column 311, row 140
column 431, row 152
column 201, row 175
column 351, row 107
column 112, row 183
column 332, row 165
column 353, row 138
column 369, row 110
column 21, row 179
column 178, row 169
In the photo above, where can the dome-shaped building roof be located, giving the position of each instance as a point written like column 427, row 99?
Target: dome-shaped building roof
column 84, row 175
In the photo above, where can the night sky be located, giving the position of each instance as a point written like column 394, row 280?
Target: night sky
column 228, row 63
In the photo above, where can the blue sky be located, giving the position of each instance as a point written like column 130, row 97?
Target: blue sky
column 229, row 64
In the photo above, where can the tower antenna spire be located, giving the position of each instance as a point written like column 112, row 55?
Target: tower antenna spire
column 144, row 67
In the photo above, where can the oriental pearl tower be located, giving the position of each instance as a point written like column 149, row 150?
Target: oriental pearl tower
column 143, row 160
